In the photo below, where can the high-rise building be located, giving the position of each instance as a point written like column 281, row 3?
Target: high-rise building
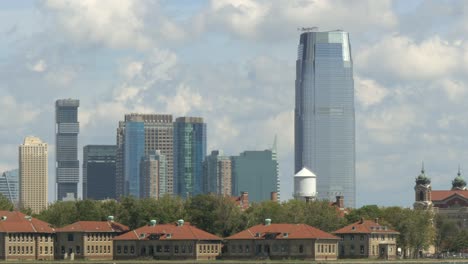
column 99, row 172
column 217, row 174
column 153, row 173
column 324, row 113
column 189, row 152
column 9, row 185
column 33, row 174
column 66, row 145
column 157, row 134
column 255, row 172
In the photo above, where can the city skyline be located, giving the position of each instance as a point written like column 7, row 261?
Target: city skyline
column 233, row 63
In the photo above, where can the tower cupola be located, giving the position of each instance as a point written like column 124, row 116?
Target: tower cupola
column 458, row 183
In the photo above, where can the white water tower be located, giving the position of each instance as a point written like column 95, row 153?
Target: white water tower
column 305, row 185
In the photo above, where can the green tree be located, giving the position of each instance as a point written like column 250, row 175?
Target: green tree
column 88, row 210
column 59, row 213
column 6, row 204
column 366, row 212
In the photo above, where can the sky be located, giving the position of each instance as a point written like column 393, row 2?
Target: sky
column 232, row 62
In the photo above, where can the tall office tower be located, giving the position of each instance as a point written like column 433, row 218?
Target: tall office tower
column 189, row 152
column 9, row 186
column 33, row 174
column 255, row 172
column 66, row 145
column 217, row 174
column 157, row 135
column 324, row 113
column 99, row 172
column 153, row 172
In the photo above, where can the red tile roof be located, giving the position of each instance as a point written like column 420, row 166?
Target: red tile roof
column 94, row 226
column 17, row 222
column 443, row 195
column 283, row 231
column 168, row 231
column 364, row 227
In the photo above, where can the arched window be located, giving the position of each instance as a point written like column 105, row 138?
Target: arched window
column 421, row 196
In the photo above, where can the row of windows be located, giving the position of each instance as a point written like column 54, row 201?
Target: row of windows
column 373, row 236
column 164, row 248
column 208, row 249
column 12, row 250
column 326, row 248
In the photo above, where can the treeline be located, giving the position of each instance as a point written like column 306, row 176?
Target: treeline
column 220, row 215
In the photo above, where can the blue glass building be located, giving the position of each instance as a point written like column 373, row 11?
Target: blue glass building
column 134, row 151
column 99, row 172
column 9, row 186
column 189, row 152
column 324, row 113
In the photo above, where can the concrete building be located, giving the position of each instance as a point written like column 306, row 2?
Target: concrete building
column 24, row 238
column 217, row 174
column 153, row 175
column 367, row 239
column 91, row 240
column 167, row 241
column 305, row 187
column 137, row 136
column 281, row 241
column 189, row 153
column 324, row 113
column 99, row 172
column 33, row 174
column 9, row 186
column 66, row 148
column 255, row 172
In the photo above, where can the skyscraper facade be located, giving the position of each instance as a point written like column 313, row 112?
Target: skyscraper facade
column 153, row 173
column 157, row 135
column 33, row 174
column 66, row 144
column 324, row 113
column 217, row 174
column 9, row 186
column 99, row 172
column 255, row 172
column 189, row 152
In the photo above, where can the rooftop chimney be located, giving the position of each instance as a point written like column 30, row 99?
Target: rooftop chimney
column 376, row 220
column 244, row 200
column 274, row 196
column 340, row 201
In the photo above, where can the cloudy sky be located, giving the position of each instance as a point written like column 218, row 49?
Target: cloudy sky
column 233, row 63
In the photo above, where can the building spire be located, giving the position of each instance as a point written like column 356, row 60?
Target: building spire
column 459, row 173
column 422, row 168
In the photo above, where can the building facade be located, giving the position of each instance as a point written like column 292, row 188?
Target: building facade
column 367, row 239
column 158, row 135
column 189, row 153
column 282, row 241
column 99, row 172
column 255, row 172
column 167, row 241
column 324, row 113
column 91, row 240
column 33, row 174
column 217, row 174
column 9, row 186
column 66, row 144
column 24, row 238
column 153, row 175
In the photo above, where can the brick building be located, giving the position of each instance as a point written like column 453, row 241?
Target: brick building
column 282, row 241
column 367, row 239
column 88, row 239
column 167, row 241
column 23, row 237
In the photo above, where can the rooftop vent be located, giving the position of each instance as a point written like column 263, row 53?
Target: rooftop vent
column 180, row 222
column 152, row 222
column 27, row 217
column 110, row 218
column 267, row 221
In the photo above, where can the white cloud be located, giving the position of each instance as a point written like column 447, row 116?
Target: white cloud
column 402, row 58
column 183, row 102
column 454, row 89
column 369, row 92
column 38, row 66
column 15, row 115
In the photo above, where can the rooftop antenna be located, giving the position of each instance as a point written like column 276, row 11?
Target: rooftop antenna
column 307, row 29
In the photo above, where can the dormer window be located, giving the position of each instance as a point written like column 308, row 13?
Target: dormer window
column 257, row 234
column 285, row 234
column 353, row 228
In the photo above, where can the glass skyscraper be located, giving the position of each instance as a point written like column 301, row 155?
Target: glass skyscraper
column 324, row 113
column 99, row 172
column 134, row 150
column 66, row 144
column 189, row 152
column 9, row 186
column 255, row 172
